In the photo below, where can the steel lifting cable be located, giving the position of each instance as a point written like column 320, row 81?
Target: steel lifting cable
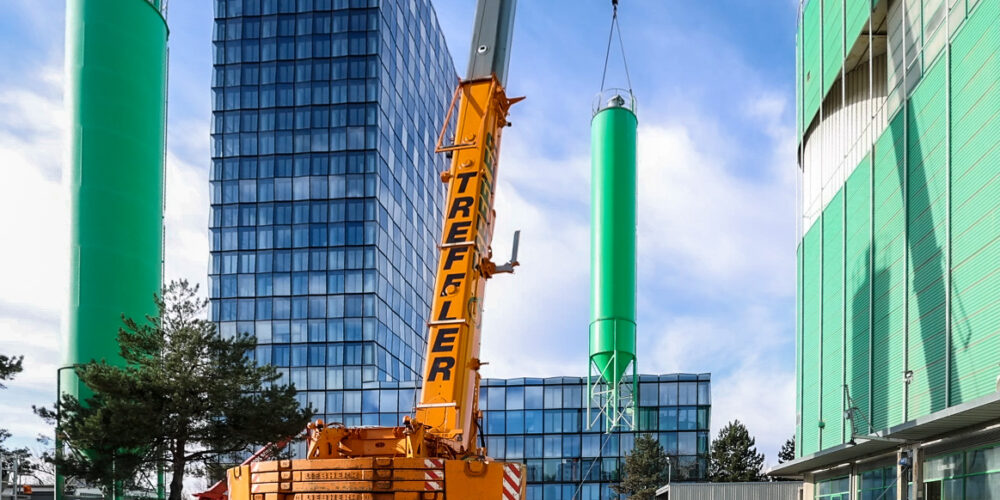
column 621, row 43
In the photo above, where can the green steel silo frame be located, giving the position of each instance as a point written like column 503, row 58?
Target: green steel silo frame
column 116, row 94
column 613, row 260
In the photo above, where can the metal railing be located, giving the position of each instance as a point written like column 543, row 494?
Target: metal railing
column 614, row 98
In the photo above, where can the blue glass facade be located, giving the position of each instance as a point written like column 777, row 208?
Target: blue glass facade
column 325, row 197
column 543, row 423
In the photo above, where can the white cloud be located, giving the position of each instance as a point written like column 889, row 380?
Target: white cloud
column 536, row 313
column 33, row 284
column 186, row 222
column 718, row 228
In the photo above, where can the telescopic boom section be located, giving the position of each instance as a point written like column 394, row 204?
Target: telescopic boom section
column 449, row 401
column 449, row 398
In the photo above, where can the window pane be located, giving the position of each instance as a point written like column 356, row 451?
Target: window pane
column 515, row 422
column 533, row 397
column 704, row 393
column 495, row 397
column 984, row 460
column 572, row 396
column 533, row 423
column 553, row 421
column 648, row 394
column 687, row 443
column 687, row 419
column 532, row 448
column 688, row 393
column 515, row 398
column 553, row 446
column 668, row 419
column 553, row 396
column 668, row 393
column 515, row 447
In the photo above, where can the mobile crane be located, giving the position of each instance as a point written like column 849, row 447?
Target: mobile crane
column 433, row 455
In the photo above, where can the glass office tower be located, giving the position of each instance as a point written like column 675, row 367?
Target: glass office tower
column 325, row 197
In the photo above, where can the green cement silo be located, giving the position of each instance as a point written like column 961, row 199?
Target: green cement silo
column 116, row 68
column 613, row 241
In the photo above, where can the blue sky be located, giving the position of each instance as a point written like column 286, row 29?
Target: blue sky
column 716, row 198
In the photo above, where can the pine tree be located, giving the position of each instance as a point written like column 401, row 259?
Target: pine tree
column 734, row 456
column 645, row 469
column 10, row 366
column 787, row 453
column 185, row 393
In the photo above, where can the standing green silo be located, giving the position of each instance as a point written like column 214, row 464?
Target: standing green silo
column 116, row 69
column 613, row 250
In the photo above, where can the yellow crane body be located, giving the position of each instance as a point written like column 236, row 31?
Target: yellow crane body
column 377, row 478
column 434, row 454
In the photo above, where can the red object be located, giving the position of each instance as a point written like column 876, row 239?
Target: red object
column 220, row 490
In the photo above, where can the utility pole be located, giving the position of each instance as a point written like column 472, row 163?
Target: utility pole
column 17, row 476
column 13, row 479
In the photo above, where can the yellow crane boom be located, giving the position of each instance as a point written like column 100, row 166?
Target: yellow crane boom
column 449, row 398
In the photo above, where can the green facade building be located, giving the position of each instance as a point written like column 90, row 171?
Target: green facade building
column 898, row 288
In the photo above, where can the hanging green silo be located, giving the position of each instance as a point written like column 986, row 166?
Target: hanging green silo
column 613, row 245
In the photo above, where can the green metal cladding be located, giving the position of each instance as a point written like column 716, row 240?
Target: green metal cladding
column 832, row 323
column 857, row 279
column 798, row 341
column 810, row 307
column 975, row 199
column 926, row 188
column 812, row 78
column 827, row 29
column 116, row 60
column 856, row 13
column 901, row 272
column 833, row 41
column 613, row 237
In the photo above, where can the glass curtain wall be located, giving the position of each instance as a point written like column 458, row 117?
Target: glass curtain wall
column 834, row 489
column 970, row 474
column 325, row 197
column 543, row 422
column 877, row 484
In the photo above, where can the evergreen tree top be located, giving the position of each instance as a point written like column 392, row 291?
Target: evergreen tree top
column 645, row 469
column 734, row 456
